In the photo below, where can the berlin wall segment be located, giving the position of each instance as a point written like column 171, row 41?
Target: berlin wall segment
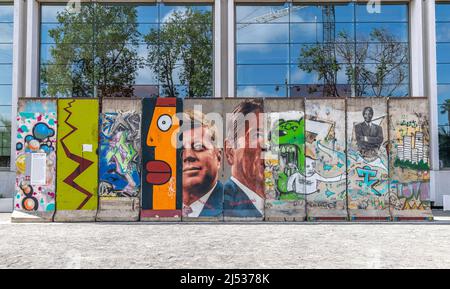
column 170, row 159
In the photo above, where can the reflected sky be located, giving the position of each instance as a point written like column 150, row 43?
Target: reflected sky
column 270, row 40
column 6, row 40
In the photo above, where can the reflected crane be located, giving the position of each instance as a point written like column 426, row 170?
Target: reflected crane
column 329, row 28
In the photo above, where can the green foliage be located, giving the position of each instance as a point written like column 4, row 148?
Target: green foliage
column 444, row 146
column 95, row 48
column 185, row 42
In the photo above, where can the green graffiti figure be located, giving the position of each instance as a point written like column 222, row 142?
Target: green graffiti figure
column 289, row 138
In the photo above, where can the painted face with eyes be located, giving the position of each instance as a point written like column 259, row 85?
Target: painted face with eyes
column 201, row 161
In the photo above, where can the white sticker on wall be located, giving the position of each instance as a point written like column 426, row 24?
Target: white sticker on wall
column 38, row 169
column 87, row 148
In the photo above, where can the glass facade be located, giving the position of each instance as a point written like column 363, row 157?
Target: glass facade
column 443, row 81
column 6, row 59
column 126, row 50
column 294, row 50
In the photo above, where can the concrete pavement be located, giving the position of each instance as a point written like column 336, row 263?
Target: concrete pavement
column 194, row 245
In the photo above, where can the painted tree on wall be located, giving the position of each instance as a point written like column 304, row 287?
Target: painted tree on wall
column 95, row 48
column 377, row 70
column 185, row 47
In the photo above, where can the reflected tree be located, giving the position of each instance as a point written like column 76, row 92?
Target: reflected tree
column 95, row 48
column 373, row 67
column 184, row 53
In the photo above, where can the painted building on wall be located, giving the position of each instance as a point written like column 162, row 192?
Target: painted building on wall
column 269, row 50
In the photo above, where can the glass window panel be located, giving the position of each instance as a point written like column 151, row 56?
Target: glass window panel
column 345, row 32
column 5, row 74
column 443, row 32
column 127, row 13
column 263, row 33
column 5, row 115
column 262, row 53
column 124, row 33
column 442, row 12
column 443, row 73
column 444, row 114
column 254, row 14
column 306, row 33
column 6, row 53
column 5, row 94
column 262, row 74
column 306, row 13
column 6, row 13
column 443, row 93
column 398, row 32
column 372, row 90
column 442, row 51
column 261, row 91
column 77, row 33
column 147, row 14
column 167, row 11
column 389, row 13
column 6, row 32
column 299, row 76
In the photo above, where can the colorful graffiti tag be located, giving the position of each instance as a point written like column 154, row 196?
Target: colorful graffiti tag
column 36, row 158
column 285, row 162
column 161, row 186
column 326, row 190
column 120, row 155
column 409, row 162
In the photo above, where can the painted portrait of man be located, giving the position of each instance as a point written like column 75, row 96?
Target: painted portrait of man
column 369, row 136
column 202, row 190
column 244, row 190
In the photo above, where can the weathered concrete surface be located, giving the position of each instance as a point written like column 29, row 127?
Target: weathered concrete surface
column 189, row 245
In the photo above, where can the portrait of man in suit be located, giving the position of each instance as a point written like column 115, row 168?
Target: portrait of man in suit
column 244, row 190
column 202, row 190
column 369, row 136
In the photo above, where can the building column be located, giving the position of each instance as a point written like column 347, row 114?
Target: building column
column 231, row 49
column 416, row 48
column 17, row 70
column 32, row 51
column 432, row 93
column 217, row 49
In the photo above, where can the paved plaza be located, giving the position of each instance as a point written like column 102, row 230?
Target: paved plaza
column 194, row 245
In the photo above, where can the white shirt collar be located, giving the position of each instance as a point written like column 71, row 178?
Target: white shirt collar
column 197, row 206
column 256, row 199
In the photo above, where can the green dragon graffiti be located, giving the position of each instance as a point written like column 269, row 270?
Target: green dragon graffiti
column 288, row 138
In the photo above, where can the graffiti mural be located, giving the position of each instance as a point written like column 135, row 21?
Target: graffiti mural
column 244, row 167
column 77, row 164
column 161, row 185
column 284, row 174
column 326, row 189
column 409, row 161
column 36, row 159
column 367, row 159
column 119, row 160
column 202, row 157
column 240, row 159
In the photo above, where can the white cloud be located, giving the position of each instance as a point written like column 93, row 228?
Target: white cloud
column 250, row 91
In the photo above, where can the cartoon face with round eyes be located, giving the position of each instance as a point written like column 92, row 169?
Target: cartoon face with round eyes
column 161, row 171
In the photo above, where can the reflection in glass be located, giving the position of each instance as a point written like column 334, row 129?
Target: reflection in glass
column 334, row 49
column 443, row 81
column 125, row 50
